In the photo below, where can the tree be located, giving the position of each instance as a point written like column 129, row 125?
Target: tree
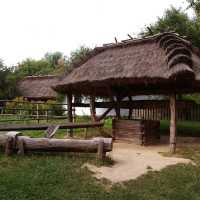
column 77, row 56
column 178, row 21
column 54, row 58
column 30, row 67
column 7, row 82
column 195, row 5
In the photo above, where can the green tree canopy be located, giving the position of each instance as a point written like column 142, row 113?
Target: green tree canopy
column 7, row 82
column 54, row 58
column 195, row 5
column 178, row 21
column 31, row 67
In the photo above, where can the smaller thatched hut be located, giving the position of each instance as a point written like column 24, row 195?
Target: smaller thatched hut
column 37, row 88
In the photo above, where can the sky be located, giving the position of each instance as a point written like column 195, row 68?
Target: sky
column 30, row 28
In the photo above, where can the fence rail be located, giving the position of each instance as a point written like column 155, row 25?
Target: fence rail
column 160, row 111
column 28, row 111
column 141, row 109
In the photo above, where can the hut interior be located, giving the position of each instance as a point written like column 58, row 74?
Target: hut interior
column 163, row 64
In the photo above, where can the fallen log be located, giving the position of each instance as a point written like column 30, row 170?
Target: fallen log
column 64, row 145
column 21, row 144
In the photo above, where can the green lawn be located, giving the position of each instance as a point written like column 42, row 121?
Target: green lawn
column 184, row 128
column 60, row 177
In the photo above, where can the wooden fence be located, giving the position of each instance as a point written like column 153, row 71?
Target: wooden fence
column 20, row 112
column 147, row 109
column 159, row 110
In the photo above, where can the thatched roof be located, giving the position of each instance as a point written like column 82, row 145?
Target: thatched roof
column 37, row 87
column 161, row 63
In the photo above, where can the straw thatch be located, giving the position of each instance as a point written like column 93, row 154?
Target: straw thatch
column 162, row 63
column 37, row 88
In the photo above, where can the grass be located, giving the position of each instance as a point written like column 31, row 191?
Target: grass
column 184, row 128
column 61, row 177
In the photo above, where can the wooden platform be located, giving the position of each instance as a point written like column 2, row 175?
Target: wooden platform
column 14, row 127
column 142, row 132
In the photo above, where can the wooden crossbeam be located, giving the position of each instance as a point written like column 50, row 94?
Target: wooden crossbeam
column 104, row 114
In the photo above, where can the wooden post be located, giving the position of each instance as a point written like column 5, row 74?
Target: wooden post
column 100, row 150
column 69, row 109
column 74, row 114
column 92, row 108
column 9, row 146
column 86, row 133
column 173, row 119
column 46, row 115
column 21, row 147
column 130, row 108
column 37, row 113
column 118, row 114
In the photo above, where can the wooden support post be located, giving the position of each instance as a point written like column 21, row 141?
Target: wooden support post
column 118, row 114
column 86, row 133
column 130, row 108
column 92, row 108
column 37, row 113
column 173, row 119
column 74, row 115
column 69, row 109
column 9, row 146
column 46, row 112
column 21, row 147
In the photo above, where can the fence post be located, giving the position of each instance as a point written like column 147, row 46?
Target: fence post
column 38, row 113
column 47, row 115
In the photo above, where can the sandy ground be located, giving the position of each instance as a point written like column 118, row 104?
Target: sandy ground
column 132, row 161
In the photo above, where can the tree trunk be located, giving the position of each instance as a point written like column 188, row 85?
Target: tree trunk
column 173, row 123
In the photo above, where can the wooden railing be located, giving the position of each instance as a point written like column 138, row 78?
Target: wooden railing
column 33, row 112
column 147, row 109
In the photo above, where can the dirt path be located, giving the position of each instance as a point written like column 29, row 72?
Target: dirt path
column 133, row 161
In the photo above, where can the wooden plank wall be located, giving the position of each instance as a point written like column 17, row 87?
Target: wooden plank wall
column 160, row 111
column 142, row 132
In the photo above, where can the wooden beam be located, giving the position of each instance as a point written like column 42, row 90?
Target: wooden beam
column 135, row 104
column 69, row 109
column 104, row 114
column 173, row 119
column 93, row 108
column 13, row 127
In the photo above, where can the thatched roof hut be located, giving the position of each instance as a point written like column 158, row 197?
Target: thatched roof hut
column 38, row 88
column 165, row 63
column 153, row 65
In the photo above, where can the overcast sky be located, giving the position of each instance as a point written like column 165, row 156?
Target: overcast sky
column 30, row 28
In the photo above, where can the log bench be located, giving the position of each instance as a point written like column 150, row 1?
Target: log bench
column 15, row 142
column 142, row 132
